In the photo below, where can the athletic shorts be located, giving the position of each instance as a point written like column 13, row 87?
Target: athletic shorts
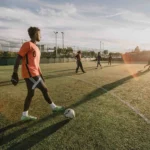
column 35, row 82
column 98, row 62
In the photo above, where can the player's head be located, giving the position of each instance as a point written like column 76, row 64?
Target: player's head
column 79, row 52
column 98, row 53
column 34, row 33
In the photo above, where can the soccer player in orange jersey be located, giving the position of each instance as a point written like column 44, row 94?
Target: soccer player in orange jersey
column 30, row 55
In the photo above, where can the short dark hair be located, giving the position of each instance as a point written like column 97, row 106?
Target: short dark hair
column 79, row 52
column 32, row 31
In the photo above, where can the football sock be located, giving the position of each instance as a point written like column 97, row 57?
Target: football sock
column 25, row 113
column 52, row 105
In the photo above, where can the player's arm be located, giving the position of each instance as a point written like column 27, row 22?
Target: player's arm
column 23, row 51
column 16, row 66
column 14, row 77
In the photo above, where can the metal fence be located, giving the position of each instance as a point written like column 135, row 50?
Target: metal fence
column 15, row 44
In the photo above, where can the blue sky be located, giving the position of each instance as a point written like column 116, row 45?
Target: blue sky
column 120, row 24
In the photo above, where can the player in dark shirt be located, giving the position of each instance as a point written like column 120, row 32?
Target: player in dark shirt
column 79, row 63
column 99, row 58
column 109, row 59
column 148, row 64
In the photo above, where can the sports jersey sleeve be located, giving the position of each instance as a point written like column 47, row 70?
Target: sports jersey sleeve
column 24, row 49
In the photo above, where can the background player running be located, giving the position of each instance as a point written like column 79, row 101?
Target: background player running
column 99, row 58
column 148, row 64
column 79, row 63
column 109, row 59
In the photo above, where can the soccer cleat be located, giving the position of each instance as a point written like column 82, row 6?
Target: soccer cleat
column 24, row 118
column 58, row 109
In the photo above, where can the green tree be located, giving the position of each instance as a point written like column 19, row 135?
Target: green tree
column 105, row 52
column 137, row 49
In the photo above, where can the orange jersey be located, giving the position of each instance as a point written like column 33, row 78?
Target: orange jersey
column 30, row 60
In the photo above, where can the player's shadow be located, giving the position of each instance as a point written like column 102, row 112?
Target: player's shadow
column 66, row 70
column 49, row 130
column 16, row 124
column 110, row 66
column 26, row 125
column 60, row 73
column 38, row 137
column 102, row 90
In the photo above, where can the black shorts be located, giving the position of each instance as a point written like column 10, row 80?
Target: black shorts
column 35, row 82
column 98, row 62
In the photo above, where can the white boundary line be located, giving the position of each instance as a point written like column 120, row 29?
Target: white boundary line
column 113, row 94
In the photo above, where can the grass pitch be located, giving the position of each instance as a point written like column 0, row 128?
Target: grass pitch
column 100, row 98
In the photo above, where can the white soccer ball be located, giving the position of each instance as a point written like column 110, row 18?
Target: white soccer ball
column 69, row 113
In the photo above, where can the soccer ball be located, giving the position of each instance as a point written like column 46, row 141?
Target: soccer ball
column 69, row 113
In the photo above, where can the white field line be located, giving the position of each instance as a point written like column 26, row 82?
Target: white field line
column 113, row 94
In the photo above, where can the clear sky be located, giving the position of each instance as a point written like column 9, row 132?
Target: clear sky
column 119, row 24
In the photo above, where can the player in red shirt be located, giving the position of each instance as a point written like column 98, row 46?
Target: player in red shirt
column 30, row 55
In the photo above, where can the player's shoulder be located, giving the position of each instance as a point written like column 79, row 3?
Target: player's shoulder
column 26, row 44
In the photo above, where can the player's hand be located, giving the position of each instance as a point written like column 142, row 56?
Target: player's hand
column 14, row 79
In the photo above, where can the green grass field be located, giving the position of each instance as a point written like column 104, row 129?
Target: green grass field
column 112, row 108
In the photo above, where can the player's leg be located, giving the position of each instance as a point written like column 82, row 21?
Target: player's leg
column 47, row 97
column 27, row 102
column 80, row 64
column 77, row 67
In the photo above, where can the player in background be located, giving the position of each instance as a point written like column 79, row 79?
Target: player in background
column 148, row 64
column 109, row 59
column 79, row 63
column 30, row 55
column 99, row 58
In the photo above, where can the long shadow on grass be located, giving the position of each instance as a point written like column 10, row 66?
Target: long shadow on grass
column 94, row 94
column 62, row 74
column 66, row 70
column 16, row 124
column 69, row 73
column 27, row 124
column 37, row 137
column 10, row 127
column 110, row 66
column 102, row 90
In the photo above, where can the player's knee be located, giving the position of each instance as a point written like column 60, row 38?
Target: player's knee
column 30, row 93
column 45, row 90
